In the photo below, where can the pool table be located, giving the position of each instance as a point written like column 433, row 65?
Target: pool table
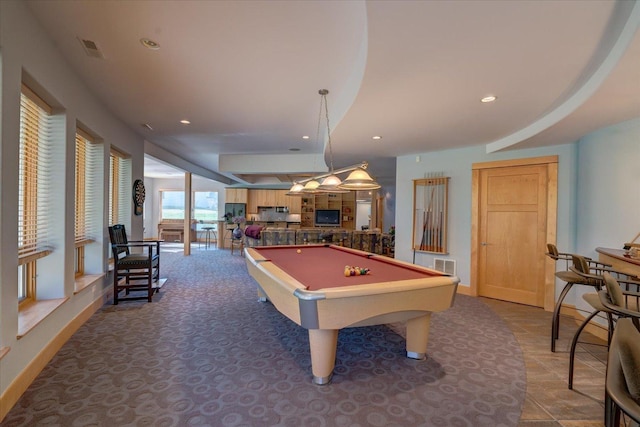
column 308, row 285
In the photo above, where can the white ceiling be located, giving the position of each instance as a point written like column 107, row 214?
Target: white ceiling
column 247, row 73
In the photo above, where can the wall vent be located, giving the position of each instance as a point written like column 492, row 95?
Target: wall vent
column 447, row 266
column 91, row 48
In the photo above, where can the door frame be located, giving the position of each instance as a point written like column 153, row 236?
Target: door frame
column 552, row 218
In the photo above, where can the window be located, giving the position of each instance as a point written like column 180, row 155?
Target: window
column 205, row 206
column 88, row 155
column 119, row 189
column 172, row 206
column 33, row 192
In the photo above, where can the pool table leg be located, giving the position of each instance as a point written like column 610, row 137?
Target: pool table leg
column 323, row 344
column 417, row 336
column 262, row 296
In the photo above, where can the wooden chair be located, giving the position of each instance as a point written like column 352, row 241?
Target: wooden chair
column 237, row 241
column 134, row 271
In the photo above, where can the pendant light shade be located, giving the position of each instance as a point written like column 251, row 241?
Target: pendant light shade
column 359, row 179
column 311, row 186
column 331, row 185
column 295, row 190
column 331, row 181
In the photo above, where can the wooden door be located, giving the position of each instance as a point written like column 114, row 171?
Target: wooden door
column 512, row 233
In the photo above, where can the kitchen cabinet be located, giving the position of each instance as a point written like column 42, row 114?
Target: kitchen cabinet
column 262, row 198
column 280, row 197
column 294, row 203
column 236, row 195
column 255, row 199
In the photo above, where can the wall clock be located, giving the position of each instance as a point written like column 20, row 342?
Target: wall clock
column 138, row 196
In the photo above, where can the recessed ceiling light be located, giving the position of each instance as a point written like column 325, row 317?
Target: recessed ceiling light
column 376, row 137
column 185, row 122
column 150, row 44
column 489, row 98
column 294, row 149
column 305, row 137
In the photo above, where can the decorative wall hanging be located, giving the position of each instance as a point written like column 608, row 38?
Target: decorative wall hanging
column 138, row 196
column 430, row 198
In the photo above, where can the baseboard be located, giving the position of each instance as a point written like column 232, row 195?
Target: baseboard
column 464, row 290
column 593, row 328
column 33, row 369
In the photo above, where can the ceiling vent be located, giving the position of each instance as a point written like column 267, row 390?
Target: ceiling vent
column 91, row 48
column 447, row 266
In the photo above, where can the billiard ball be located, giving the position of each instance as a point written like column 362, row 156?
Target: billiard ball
column 299, row 251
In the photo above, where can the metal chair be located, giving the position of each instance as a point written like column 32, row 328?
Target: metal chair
column 621, row 297
column 592, row 276
column 131, row 269
column 571, row 278
column 622, row 384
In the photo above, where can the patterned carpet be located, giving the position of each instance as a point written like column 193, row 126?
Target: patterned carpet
column 207, row 353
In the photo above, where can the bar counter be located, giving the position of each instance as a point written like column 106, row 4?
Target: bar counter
column 620, row 260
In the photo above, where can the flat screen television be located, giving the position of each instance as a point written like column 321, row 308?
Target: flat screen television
column 327, row 217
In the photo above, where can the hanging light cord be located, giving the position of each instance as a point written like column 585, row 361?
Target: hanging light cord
column 323, row 93
column 318, row 129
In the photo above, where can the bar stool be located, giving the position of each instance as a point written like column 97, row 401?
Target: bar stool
column 209, row 232
column 621, row 384
column 571, row 278
column 567, row 276
column 595, row 277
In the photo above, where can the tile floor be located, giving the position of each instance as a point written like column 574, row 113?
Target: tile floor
column 548, row 401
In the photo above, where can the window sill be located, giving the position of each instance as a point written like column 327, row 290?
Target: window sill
column 85, row 281
column 32, row 313
column 4, row 351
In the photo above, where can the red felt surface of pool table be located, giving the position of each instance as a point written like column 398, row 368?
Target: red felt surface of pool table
column 321, row 267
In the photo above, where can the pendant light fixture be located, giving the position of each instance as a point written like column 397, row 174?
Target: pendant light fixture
column 359, row 179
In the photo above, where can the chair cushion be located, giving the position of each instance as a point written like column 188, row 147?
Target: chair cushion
column 613, row 289
column 630, row 356
column 569, row 276
column 594, row 301
column 134, row 259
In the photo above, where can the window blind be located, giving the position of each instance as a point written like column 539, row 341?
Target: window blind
column 35, row 176
column 88, row 154
column 120, row 189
